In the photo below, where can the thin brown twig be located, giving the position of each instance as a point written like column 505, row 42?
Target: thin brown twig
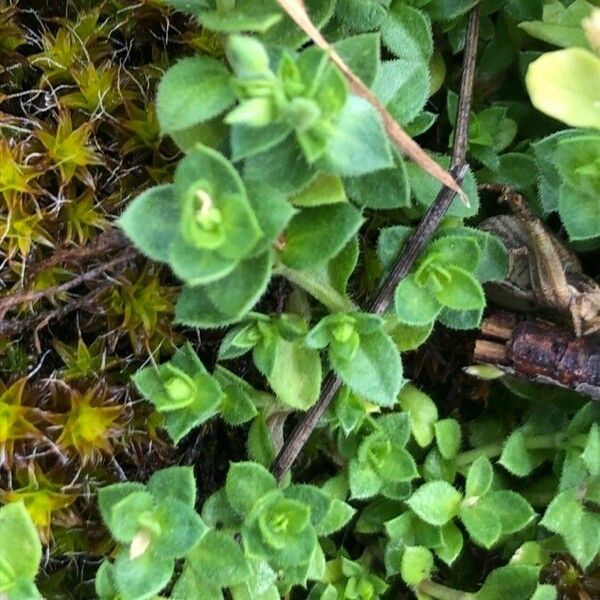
column 39, row 320
column 110, row 240
column 17, row 299
column 299, row 436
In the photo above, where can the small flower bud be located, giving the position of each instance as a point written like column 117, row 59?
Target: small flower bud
column 139, row 544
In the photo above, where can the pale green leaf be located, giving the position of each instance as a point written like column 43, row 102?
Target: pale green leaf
column 566, row 85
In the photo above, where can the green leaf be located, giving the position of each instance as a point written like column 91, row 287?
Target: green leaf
column 261, row 448
column 110, row 495
column 228, row 300
column 375, row 370
column 440, row 10
column 462, row 291
column 415, row 304
column 461, row 319
column 403, row 86
column 396, row 426
column 246, row 15
column 315, row 498
column 512, row 509
column 248, row 141
column 151, row 221
column 273, row 213
column 317, row 234
column 246, row 483
column 179, row 423
column 283, row 166
column 579, row 211
column 382, row 190
column 217, row 513
column 448, row 437
column 482, row 524
column 124, row 521
column 189, row 585
column 591, row 452
column 515, row 457
column 422, row 413
column 515, row 169
column 197, row 267
column 105, row 584
column 410, row 337
column 325, row 189
column 417, row 565
column 360, row 15
column 436, row 467
column 578, row 161
column 296, row 374
column 287, row 33
column 452, row 543
column 391, row 242
column 516, row 582
column 21, row 550
column 579, row 529
column 566, row 85
column 550, row 179
column 237, row 407
column 216, row 558
column 387, row 458
column 407, row 33
column 436, row 502
column 362, row 54
column 460, row 251
column 180, row 528
column 479, row 477
column 142, row 577
column 425, row 189
column 358, row 143
column 193, row 91
column 544, row 591
column 175, row 482
column 338, row 515
column 364, row 481
column 561, row 25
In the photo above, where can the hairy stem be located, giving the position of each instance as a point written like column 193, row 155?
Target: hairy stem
column 547, row 441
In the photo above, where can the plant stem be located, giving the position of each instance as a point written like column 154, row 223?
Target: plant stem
column 546, row 441
column 441, row 592
column 317, row 288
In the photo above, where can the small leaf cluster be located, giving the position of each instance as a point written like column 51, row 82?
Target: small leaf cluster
column 445, row 284
column 564, row 85
column 154, row 525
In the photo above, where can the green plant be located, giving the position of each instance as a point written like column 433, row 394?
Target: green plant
column 266, row 181
column 156, row 524
column 21, row 556
column 570, row 158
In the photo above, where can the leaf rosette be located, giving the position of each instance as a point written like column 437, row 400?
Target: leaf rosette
column 202, row 225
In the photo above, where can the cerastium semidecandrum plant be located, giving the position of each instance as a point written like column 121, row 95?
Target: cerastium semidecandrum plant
column 284, row 162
